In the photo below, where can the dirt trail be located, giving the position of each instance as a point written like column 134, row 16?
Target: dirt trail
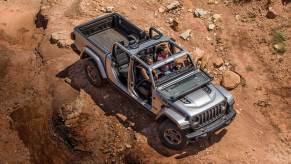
column 49, row 113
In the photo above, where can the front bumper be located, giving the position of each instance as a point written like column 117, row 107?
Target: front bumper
column 218, row 124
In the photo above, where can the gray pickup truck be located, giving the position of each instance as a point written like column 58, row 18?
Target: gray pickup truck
column 185, row 103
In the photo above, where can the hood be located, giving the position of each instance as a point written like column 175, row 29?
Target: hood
column 199, row 100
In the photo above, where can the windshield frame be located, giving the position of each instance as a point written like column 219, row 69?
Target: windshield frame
column 169, row 60
column 184, row 77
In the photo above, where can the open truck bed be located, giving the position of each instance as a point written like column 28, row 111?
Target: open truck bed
column 108, row 37
column 103, row 32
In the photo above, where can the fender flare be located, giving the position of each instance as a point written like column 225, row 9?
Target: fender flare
column 175, row 117
column 226, row 94
column 89, row 53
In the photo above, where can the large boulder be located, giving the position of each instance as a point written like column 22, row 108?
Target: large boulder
column 271, row 14
column 230, row 79
column 61, row 39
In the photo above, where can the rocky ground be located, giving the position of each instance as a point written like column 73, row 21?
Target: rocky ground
column 49, row 113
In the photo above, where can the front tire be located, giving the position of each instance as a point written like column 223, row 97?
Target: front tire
column 171, row 136
column 92, row 72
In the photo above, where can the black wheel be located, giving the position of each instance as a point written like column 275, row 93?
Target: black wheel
column 92, row 72
column 171, row 136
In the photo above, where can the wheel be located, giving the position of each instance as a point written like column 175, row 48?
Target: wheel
column 92, row 72
column 171, row 136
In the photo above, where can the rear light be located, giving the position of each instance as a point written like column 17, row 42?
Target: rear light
column 73, row 37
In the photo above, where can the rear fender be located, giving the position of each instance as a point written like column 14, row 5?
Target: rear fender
column 89, row 53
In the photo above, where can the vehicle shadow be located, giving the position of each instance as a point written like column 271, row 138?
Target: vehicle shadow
column 115, row 103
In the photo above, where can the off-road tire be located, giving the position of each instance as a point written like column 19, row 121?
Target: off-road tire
column 92, row 72
column 169, row 125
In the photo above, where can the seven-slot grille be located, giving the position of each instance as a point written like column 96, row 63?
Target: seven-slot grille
column 211, row 114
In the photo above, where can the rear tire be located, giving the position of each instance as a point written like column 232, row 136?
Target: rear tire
column 171, row 136
column 92, row 72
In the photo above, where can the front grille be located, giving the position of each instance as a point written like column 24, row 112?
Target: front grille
column 211, row 114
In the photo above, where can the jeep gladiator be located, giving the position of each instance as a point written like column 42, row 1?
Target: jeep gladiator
column 185, row 103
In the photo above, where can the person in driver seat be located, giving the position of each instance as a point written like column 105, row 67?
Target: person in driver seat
column 144, row 82
column 145, row 73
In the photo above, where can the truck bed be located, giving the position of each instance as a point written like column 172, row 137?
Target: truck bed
column 104, row 31
column 107, row 38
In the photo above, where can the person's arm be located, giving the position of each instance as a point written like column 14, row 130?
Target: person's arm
column 155, row 74
column 144, row 74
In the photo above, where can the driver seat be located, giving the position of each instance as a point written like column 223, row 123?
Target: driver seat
column 122, row 60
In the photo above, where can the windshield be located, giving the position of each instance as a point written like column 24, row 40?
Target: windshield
column 168, row 70
column 177, row 77
column 184, row 85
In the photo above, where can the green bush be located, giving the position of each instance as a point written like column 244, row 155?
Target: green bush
column 278, row 42
column 249, row 68
column 278, row 37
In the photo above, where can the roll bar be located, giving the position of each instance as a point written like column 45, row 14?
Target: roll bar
column 151, row 32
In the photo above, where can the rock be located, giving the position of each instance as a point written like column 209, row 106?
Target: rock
column 173, row 5
column 279, row 47
column 174, row 25
column 68, row 80
column 131, row 124
column 134, row 7
column 216, row 17
column 230, row 79
column 72, row 115
column 211, row 27
column 121, row 116
column 200, row 13
column 162, row 9
column 222, row 68
column 72, row 122
column 108, row 9
column 201, row 57
column 60, row 39
column 217, row 62
column 237, row 17
column 128, row 146
column 186, row 35
column 55, row 37
column 170, row 20
column 271, row 14
column 263, row 103
column 210, row 2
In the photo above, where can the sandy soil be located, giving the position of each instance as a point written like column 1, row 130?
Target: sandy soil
column 49, row 113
